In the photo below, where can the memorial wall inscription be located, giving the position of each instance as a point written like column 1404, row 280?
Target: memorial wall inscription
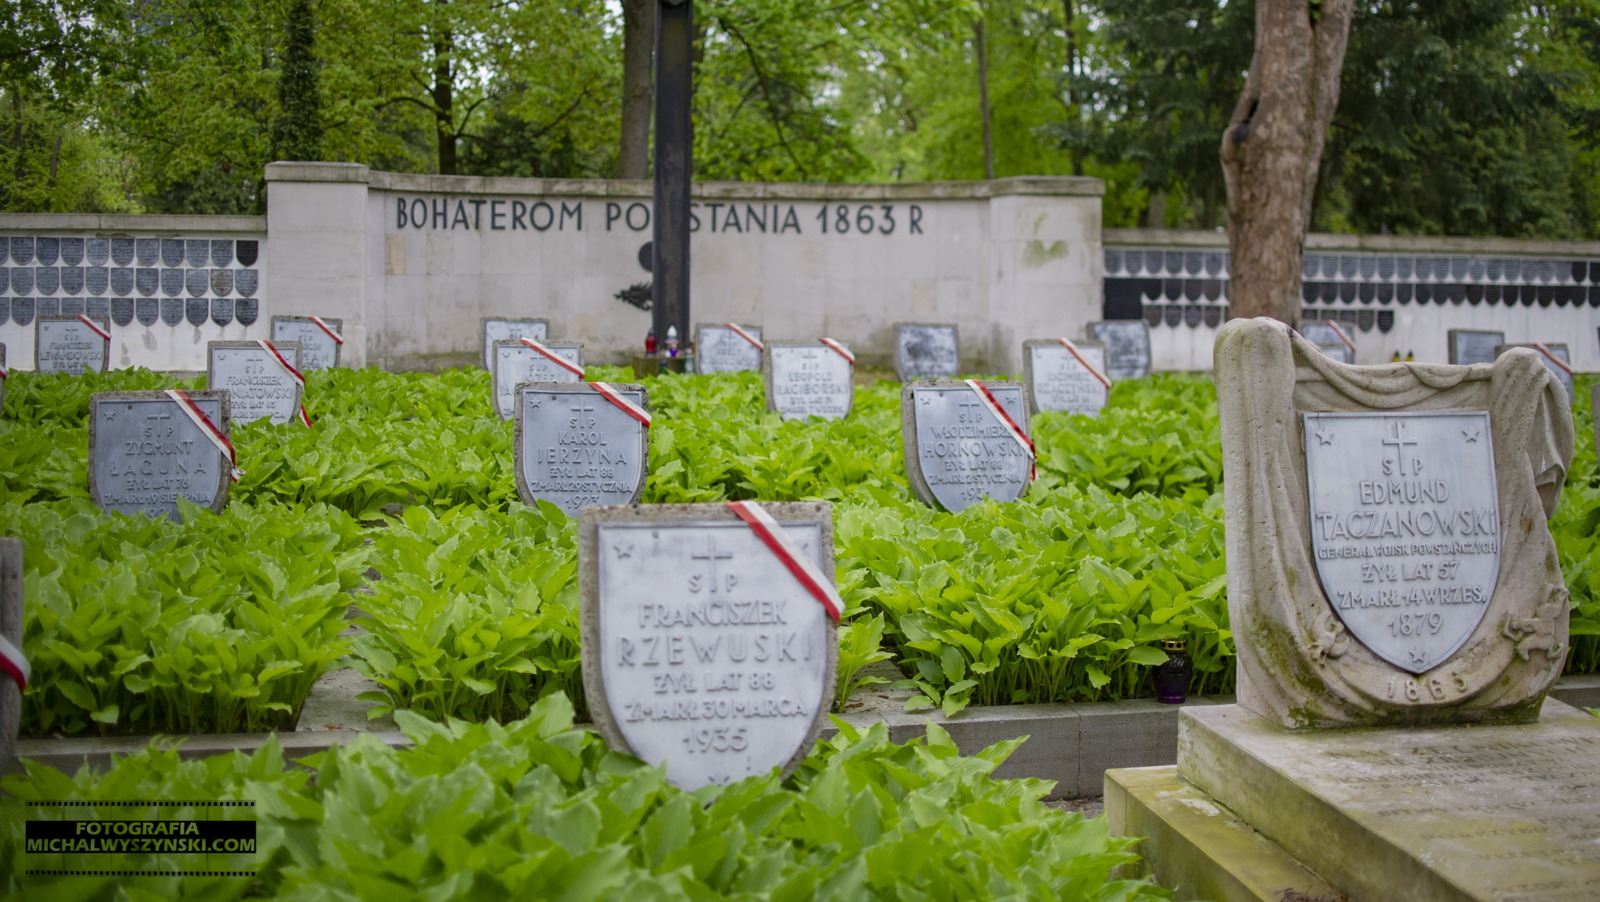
column 581, row 444
column 146, row 451
column 810, row 380
column 965, row 442
column 519, row 361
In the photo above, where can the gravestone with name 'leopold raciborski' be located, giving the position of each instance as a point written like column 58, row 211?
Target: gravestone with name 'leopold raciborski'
column 809, row 380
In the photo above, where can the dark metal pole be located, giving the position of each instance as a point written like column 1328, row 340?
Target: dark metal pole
column 674, row 165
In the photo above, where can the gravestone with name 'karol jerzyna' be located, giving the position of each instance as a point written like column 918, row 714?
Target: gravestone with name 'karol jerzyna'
column 957, row 450
column 319, row 346
column 516, row 362
column 809, row 380
column 258, row 384
column 720, row 348
column 1069, row 377
column 581, row 444
column 510, row 328
column 701, row 648
column 71, row 344
column 926, row 351
column 145, row 451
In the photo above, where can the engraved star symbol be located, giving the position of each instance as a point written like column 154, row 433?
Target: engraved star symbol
column 623, row 549
column 1471, row 434
column 1417, row 656
column 926, row 401
column 534, row 405
column 1324, row 437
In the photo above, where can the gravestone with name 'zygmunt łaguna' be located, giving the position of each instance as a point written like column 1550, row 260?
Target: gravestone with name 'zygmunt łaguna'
column 149, row 448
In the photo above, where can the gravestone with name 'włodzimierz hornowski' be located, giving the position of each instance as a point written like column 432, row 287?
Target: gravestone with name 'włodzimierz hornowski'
column 510, row 328
column 926, row 351
column 581, row 444
column 71, row 344
column 708, row 634
column 1065, row 375
column 1554, row 356
column 965, row 441
column 1127, row 347
column 262, row 379
column 518, row 361
column 320, row 339
column 727, row 347
column 1467, row 346
column 148, row 448
column 809, row 379
column 12, row 662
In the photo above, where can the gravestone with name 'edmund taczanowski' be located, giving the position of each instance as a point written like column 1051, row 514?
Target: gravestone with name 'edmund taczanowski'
column 966, row 441
column 320, row 339
column 727, row 347
column 810, row 379
column 527, row 360
column 148, row 448
column 1065, row 375
column 709, row 633
column 581, row 444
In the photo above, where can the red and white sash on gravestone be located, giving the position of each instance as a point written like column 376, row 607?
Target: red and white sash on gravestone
column 1342, row 337
column 1073, row 349
column 839, row 348
column 627, row 407
column 208, row 429
column 746, row 336
column 4, row 375
column 14, row 665
column 569, row 367
column 793, row 558
column 104, row 335
column 1553, row 358
column 337, row 338
column 988, row 399
column 298, row 376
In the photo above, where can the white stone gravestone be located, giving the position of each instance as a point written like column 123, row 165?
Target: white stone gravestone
column 1554, row 356
column 926, row 351
column 503, row 328
column 148, row 448
column 1469, row 346
column 581, row 444
column 517, row 361
column 809, row 380
column 320, row 339
column 258, row 378
column 72, row 344
column 962, row 445
column 708, row 645
column 1127, row 344
column 727, row 347
column 1065, row 375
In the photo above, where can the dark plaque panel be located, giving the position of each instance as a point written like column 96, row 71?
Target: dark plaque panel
column 46, row 279
column 222, row 311
column 22, row 280
column 245, row 281
column 47, row 306
column 172, row 252
column 122, row 311
column 71, row 251
column 71, row 306
column 122, row 251
column 149, row 251
column 172, row 282
column 47, row 251
column 248, row 252
column 146, row 311
column 102, row 307
column 198, row 251
column 22, row 251
column 198, row 281
column 22, row 311
column 246, row 311
column 171, row 311
column 221, row 251
column 148, row 280
column 96, row 279
column 196, row 310
column 72, row 280
column 97, row 251
column 222, row 282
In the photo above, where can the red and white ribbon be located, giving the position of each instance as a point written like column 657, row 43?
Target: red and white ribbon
column 1342, row 336
column 627, row 407
column 208, row 429
column 1553, row 358
column 988, row 399
column 298, row 376
column 746, row 336
column 337, row 338
column 566, row 365
column 14, row 665
column 104, row 335
column 4, row 375
column 798, row 563
column 840, row 349
column 1073, row 349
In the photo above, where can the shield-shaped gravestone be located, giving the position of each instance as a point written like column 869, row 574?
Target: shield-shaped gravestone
column 727, row 347
column 258, row 384
column 22, row 280
column 581, row 444
column 1418, row 498
column 172, row 311
column 809, row 380
column 147, row 311
column 319, row 342
column 197, row 251
column 245, row 281
column 172, row 282
column 221, row 282
column 71, row 251
column 97, row 251
column 1474, row 345
column 245, row 310
column 248, row 252
column 96, row 279
column 46, row 279
column 71, row 280
column 1065, row 375
column 221, row 251
column 71, row 344
column 122, row 251
column 195, row 310
column 516, row 362
column 11, row 631
column 925, row 351
column 47, row 251
column 702, row 650
column 1127, row 344
column 21, row 251
column 22, row 311
column 222, row 311
column 1553, row 355
column 958, row 450
column 147, row 251
column 146, row 451
column 500, row 328
column 172, row 252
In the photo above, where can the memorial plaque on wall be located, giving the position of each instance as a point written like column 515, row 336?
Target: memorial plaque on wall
column 245, row 310
column 11, row 629
column 172, row 311
column 701, row 650
column 1474, row 345
column 98, row 307
column 258, row 385
column 196, row 310
column 147, row 251
column 516, row 363
column 96, row 279
column 47, row 251
column 221, row 251
column 22, row 311
column 21, row 251
column 22, row 280
column 925, row 351
column 1127, row 347
column 222, row 311
column 245, row 281
column 147, row 311
column 122, row 251
column 122, row 311
column 1555, row 358
column 171, row 252
column 577, row 447
column 1070, row 379
column 500, row 328
column 248, row 252
column 5, row 308
column 97, row 251
column 172, row 282
column 145, row 452
column 197, row 251
column 957, row 450
column 721, row 348
column 71, row 279
column 68, row 344
column 809, row 380
column 222, row 282
column 197, row 282
column 148, row 281
column 318, row 347
column 48, row 306
column 71, row 251
column 46, row 279
column 71, row 306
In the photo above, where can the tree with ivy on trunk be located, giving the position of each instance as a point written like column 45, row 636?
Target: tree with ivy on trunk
column 1272, row 148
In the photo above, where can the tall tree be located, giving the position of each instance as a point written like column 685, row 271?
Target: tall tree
column 638, row 45
column 297, row 132
column 1272, row 149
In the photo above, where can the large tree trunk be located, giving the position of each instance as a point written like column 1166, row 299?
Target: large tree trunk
column 443, row 93
column 983, row 96
column 638, row 45
column 1273, row 146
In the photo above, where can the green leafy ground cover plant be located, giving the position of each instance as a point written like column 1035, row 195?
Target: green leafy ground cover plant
column 539, row 810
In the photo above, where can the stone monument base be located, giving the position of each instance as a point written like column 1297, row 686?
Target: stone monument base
column 1256, row 812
